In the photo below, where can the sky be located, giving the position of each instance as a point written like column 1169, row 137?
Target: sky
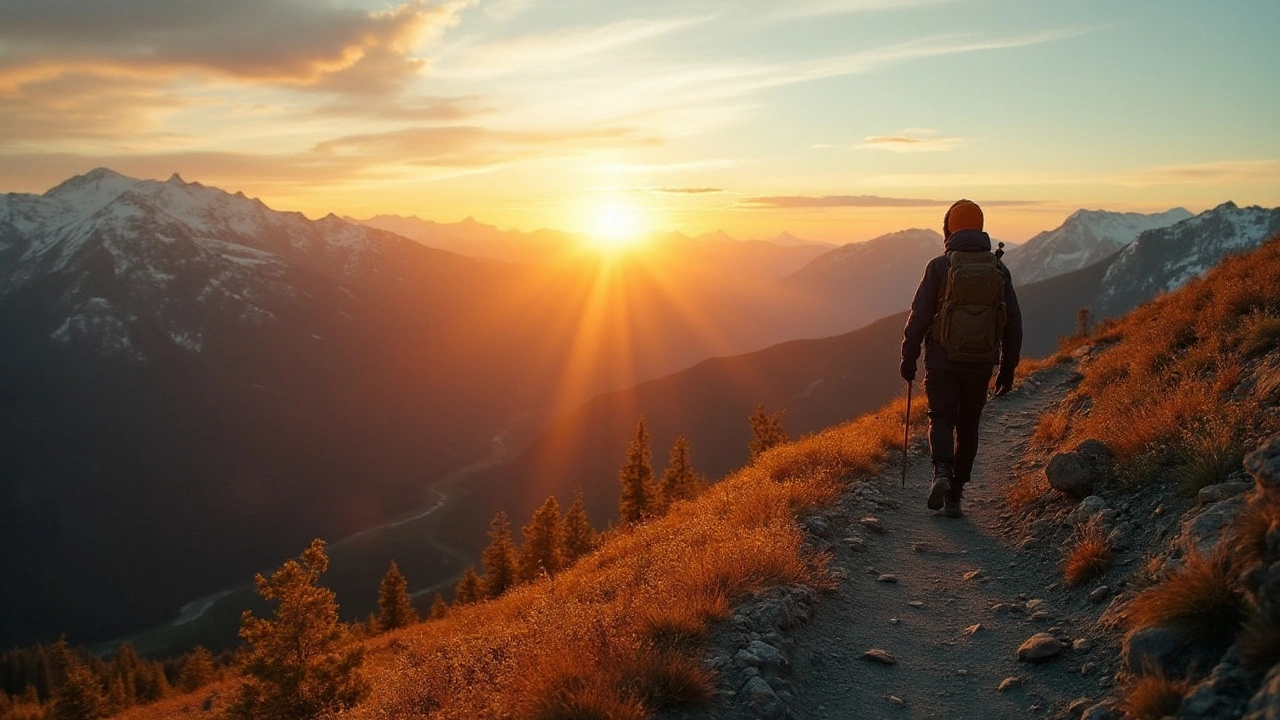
column 835, row 120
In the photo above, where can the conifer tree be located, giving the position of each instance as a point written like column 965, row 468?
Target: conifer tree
column 579, row 537
column 499, row 559
column 542, row 551
column 469, row 589
column 80, row 697
column 394, row 608
column 439, row 608
column 197, row 670
column 766, row 431
column 636, row 477
column 678, row 481
column 301, row 663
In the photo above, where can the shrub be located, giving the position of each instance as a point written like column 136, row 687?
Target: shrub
column 1199, row 599
column 1152, row 697
column 1025, row 491
column 1089, row 557
column 1051, row 429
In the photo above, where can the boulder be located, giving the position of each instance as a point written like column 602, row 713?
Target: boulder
column 1070, row 473
column 1221, row 491
column 1040, row 647
column 1201, row 533
column 1264, row 463
column 1155, row 650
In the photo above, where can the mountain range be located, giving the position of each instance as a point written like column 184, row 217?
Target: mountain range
column 193, row 385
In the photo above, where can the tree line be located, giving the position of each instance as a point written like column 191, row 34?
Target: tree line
column 304, row 662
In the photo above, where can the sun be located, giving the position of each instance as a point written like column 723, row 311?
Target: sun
column 616, row 225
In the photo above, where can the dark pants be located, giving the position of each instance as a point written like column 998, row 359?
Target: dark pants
column 955, row 407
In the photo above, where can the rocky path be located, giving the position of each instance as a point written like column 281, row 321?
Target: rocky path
column 930, row 613
column 948, row 602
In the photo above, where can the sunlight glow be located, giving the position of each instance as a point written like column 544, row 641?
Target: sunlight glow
column 616, row 224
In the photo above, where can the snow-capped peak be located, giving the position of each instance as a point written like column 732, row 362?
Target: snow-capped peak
column 1084, row 238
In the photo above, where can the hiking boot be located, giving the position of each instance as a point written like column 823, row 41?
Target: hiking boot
column 942, row 476
column 951, row 508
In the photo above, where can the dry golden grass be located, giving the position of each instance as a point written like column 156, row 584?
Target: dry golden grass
column 619, row 634
column 1152, row 697
column 1162, row 394
column 1249, row 533
column 1051, row 429
column 1200, row 599
column 1025, row 490
column 1089, row 557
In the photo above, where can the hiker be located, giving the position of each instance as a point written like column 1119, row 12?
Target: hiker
column 966, row 314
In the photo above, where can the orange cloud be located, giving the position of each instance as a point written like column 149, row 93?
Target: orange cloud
column 286, row 42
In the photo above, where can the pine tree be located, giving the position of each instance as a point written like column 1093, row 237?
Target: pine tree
column 80, row 697
column 301, row 664
column 394, row 608
column 197, row 670
column 469, row 589
column 579, row 537
column 766, row 430
column 636, row 476
column 499, row 559
column 542, row 550
column 1083, row 316
column 678, row 481
column 439, row 608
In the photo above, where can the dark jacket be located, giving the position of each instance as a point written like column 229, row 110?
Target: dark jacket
column 925, row 307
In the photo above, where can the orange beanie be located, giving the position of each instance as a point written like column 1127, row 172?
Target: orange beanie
column 963, row 215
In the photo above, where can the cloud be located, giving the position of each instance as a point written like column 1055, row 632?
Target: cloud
column 1209, row 173
column 910, row 140
column 686, row 190
column 1223, row 172
column 471, row 146
column 814, row 8
column 543, row 53
column 79, row 106
column 788, row 202
column 286, row 42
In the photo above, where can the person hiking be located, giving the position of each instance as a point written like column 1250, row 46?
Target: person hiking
column 966, row 314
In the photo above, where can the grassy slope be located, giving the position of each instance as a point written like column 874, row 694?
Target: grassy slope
column 620, row 631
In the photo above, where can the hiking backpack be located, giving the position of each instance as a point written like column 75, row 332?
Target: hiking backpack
column 971, row 312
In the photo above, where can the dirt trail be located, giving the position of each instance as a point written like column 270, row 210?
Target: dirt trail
column 921, row 619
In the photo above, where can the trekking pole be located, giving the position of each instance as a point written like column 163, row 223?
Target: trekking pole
column 906, row 435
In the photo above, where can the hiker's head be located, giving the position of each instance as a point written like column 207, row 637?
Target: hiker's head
column 963, row 215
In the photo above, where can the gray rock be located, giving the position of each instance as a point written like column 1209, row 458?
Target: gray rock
column 1154, row 649
column 1202, row 532
column 1221, row 491
column 1090, row 506
column 1265, row 703
column 763, row 700
column 818, row 525
column 880, row 656
column 1078, row 706
column 1100, row 593
column 1101, row 711
column 874, row 524
column 1071, row 473
column 1011, row 682
column 1082, row 645
column 1039, row 647
column 1096, row 452
column 887, row 578
column 1264, row 463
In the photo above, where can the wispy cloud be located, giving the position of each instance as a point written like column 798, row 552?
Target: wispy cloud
column 1224, row 172
column 1210, row 173
column 911, row 140
column 541, row 53
column 815, row 8
column 686, row 190
column 297, row 44
column 472, row 146
column 788, row 202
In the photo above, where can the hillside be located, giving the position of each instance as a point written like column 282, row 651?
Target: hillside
column 1200, row 367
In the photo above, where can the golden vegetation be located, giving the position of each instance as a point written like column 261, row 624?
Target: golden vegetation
column 1051, row 429
column 1025, row 490
column 1200, row 599
column 1155, row 696
column 619, row 634
column 1163, row 394
column 1088, row 557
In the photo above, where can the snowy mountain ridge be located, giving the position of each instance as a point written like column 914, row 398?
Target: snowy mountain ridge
column 1084, row 238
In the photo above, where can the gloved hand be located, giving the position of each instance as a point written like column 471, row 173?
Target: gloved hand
column 907, row 370
column 1004, row 382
